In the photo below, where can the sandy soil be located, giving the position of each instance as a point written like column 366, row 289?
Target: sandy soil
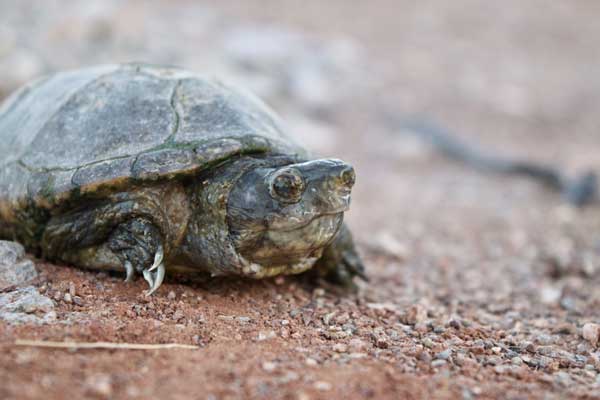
column 480, row 285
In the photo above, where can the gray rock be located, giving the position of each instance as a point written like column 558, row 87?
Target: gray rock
column 444, row 355
column 14, row 269
column 26, row 305
column 516, row 361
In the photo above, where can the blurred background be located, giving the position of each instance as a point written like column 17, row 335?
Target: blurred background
column 516, row 77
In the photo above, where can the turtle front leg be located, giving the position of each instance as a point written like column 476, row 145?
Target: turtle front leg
column 108, row 238
column 340, row 261
column 138, row 245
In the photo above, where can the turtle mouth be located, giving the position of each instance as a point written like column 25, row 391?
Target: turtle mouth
column 288, row 246
column 317, row 221
column 293, row 221
column 314, row 225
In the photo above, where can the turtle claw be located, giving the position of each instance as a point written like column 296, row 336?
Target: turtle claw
column 148, row 277
column 129, row 271
column 154, row 275
column 134, row 242
column 157, row 278
column 158, row 258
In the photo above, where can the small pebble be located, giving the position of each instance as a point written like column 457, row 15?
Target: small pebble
column 439, row 330
column 328, row 317
column 269, row 366
column 443, row 355
column 493, row 360
column 438, row 363
column 99, row 385
column 266, row 335
column 322, row 386
column 357, row 355
column 15, row 270
column 67, row 298
column 565, row 329
column 516, row 361
column 357, row 344
column 564, row 379
column 454, row 323
column 382, row 343
column 414, row 315
column 500, row 369
column 311, row 362
column 340, row 348
column 591, row 333
column 545, row 340
column 463, row 361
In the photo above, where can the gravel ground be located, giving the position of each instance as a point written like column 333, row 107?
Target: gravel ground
column 481, row 286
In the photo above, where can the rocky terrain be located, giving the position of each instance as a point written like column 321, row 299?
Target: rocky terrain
column 481, row 286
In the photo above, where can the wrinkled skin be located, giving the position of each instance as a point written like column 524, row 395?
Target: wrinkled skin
column 254, row 217
column 286, row 215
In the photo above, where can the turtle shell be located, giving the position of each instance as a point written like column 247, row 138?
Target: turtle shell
column 103, row 128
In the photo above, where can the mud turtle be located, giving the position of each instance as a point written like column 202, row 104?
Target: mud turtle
column 147, row 169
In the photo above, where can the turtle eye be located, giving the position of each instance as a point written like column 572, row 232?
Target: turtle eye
column 287, row 186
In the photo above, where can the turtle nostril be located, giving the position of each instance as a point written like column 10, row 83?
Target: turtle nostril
column 348, row 176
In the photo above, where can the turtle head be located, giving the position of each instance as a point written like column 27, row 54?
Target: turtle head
column 285, row 215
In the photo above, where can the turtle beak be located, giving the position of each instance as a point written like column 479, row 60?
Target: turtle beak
column 329, row 184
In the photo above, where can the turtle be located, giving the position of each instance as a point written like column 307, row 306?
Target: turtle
column 148, row 169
